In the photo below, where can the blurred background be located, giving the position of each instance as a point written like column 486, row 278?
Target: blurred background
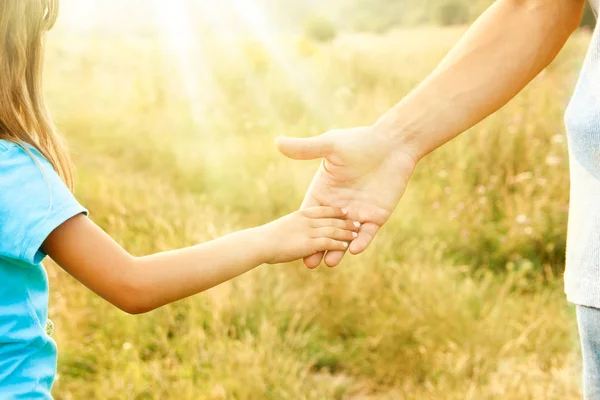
column 171, row 109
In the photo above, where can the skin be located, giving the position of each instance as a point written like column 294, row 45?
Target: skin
column 366, row 169
column 140, row 284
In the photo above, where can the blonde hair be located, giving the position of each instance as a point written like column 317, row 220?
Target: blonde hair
column 24, row 117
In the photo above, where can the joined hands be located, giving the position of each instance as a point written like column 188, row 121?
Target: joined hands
column 360, row 172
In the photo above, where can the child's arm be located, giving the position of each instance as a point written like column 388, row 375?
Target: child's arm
column 141, row 284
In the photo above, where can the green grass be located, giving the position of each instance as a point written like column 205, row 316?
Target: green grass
column 460, row 297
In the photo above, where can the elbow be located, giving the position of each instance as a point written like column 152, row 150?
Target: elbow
column 131, row 295
column 573, row 10
column 561, row 16
column 131, row 300
column 132, row 305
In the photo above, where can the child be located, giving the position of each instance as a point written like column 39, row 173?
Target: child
column 39, row 216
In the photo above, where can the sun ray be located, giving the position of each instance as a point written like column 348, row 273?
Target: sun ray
column 230, row 42
column 181, row 43
column 77, row 15
column 257, row 20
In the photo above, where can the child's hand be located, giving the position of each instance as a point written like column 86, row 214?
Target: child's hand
column 307, row 232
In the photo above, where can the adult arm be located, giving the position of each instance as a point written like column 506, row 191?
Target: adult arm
column 367, row 169
column 502, row 52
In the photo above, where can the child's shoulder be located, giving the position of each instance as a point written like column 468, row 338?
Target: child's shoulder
column 21, row 163
column 5, row 145
column 22, row 154
column 15, row 150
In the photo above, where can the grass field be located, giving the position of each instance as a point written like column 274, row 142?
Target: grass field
column 460, row 297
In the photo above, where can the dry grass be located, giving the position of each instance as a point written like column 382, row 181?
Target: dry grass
column 420, row 315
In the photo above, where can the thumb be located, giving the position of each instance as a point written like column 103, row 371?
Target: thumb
column 305, row 148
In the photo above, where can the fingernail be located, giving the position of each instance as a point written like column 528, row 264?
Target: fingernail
column 357, row 224
column 344, row 211
column 345, row 245
column 355, row 234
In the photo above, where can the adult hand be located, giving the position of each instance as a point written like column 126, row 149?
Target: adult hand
column 361, row 172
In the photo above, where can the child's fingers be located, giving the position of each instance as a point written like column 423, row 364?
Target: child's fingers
column 325, row 244
column 325, row 212
column 335, row 233
column 336, row 223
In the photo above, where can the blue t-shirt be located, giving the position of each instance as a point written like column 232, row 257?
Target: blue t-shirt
column 33, row 202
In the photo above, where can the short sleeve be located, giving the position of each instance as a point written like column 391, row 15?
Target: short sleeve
column 33, row 202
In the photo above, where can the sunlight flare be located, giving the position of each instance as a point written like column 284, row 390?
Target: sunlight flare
column 181, row 43
column 262, row 29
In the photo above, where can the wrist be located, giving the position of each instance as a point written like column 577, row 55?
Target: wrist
column 261, row 243
column 398, row 130
column 403, row 130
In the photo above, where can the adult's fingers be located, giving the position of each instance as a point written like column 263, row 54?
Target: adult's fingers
column 334, row 258
column 366, row 234
column 305, row 148
column 313, row 261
